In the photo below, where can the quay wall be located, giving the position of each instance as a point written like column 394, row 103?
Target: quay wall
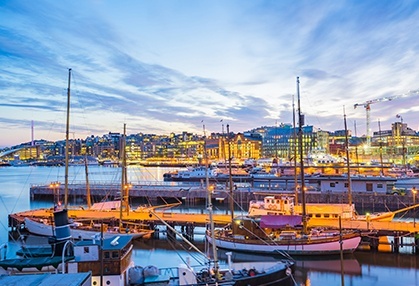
column 364, row 202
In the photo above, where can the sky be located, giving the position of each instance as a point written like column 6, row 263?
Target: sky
column 167, row 66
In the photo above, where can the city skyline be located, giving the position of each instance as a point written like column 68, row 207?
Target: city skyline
column 173, row 66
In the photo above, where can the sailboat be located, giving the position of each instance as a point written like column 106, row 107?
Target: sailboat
column 210, row 273
column 86, row 224
column 273, row 234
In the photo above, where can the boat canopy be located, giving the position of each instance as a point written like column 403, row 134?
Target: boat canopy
column 280, row 221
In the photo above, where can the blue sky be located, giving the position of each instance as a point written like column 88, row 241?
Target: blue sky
column 167, row 66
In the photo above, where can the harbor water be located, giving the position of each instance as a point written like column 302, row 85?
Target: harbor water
column 361, row 268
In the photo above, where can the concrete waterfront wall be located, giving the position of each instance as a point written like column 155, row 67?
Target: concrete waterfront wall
column 364, row 202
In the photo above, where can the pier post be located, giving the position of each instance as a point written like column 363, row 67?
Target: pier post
column 416, row 238
column 396, row 243
column 374, row 241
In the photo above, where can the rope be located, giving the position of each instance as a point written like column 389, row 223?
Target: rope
column 283, row 253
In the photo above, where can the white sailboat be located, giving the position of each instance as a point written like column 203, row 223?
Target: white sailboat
column 273, row 234
column 89, row 226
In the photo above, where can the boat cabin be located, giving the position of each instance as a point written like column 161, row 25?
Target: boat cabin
column 110, row 258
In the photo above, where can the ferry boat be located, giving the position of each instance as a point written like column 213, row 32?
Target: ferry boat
column 190, row 174
column 285, row 205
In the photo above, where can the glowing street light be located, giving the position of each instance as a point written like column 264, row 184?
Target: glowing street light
column 55, row 187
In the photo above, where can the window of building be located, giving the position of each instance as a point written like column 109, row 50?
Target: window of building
column 86, row 249
column 115, row 254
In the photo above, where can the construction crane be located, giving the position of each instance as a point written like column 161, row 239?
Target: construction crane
column 367, row 105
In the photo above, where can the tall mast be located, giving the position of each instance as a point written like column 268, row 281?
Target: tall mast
column 67, row 131
column 230, row 178
column 210, row 211
column 295, row 149
column 124, row 187
column 86, row 169
column 348, row 165
column 300, row 145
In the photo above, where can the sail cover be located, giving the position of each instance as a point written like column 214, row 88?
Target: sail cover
column 280, row 221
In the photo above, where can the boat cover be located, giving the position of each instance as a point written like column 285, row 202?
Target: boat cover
column 280, row 221
column 38, row 263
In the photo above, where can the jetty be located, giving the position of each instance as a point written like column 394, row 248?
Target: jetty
column 197, row 193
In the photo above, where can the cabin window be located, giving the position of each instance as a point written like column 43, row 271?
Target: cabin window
column 318, row 215
column 332, row 185
column 106, row 254
column 379, row 186
column 86, row 249
column 346, row 185
column 369, row 187
column 326, row 215
column 336, row 216
column 115, row 254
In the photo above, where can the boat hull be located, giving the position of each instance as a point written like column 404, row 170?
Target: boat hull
column 43, row 229
column 292, row 247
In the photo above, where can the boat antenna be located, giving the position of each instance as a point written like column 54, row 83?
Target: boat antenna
column 295, row 149
column 300, row 145
column 67, row 131
column 348, row 164
column 209, row 206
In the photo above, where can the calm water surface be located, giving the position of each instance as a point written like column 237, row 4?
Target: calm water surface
column 361, row 268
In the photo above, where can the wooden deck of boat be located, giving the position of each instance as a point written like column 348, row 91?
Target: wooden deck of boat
column 383, row 227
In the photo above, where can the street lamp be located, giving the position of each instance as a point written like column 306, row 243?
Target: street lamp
column 414, row 191
column 55, row 186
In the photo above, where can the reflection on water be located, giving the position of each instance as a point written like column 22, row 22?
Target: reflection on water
column 361, row 268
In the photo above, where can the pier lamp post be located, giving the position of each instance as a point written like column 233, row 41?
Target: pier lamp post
column 55, row 187
column 414, row 191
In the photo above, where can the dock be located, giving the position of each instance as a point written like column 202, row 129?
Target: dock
column 196, row 193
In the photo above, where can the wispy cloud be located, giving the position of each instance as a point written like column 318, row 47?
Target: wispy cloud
column 163, row 66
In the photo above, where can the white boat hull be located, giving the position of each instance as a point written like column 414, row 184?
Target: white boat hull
column 311, row 248
column 43, row 229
